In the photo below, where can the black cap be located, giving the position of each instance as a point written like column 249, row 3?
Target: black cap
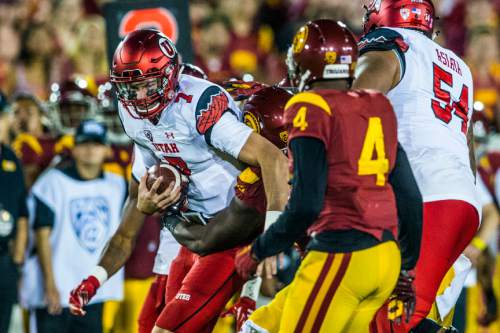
column 91, row 131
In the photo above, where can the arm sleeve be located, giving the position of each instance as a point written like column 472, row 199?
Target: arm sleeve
column 44, row 215
column 410, row 209
column 218, row 120
column 229, row 135
column 306, row 199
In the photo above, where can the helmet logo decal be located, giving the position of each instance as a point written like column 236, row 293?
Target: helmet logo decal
column 299, row 41
column 405, row 13
column 346, row 59
column 330, row 57
column 251, row 121
column 166, row 47
column 284, row 136
column 373, row 5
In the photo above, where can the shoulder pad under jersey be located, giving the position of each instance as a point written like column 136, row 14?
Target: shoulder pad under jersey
column 383, row 39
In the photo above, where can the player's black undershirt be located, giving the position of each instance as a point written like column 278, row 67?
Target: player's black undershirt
column 306, row 202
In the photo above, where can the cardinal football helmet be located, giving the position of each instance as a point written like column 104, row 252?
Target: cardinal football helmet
column 321, row 50
column 263, row 112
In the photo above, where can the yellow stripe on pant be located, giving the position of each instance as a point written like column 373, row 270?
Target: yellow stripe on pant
column 334, row 292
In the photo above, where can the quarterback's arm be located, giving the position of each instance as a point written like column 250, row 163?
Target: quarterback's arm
column 235, row 225
column 306, row 199
column 259, row 152
column 378, row 70
column 410, row 209
column 122, row 243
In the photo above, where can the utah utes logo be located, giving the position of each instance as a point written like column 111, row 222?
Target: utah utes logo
column 166, row 47
column 90, row 218
column 211, row 105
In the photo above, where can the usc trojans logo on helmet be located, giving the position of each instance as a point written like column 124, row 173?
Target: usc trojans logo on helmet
column 251, row 121
column 299, row 41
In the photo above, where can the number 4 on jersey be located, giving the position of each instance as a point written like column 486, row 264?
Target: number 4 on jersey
column 374, row 143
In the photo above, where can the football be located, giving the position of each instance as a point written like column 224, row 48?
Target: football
column 169, row 174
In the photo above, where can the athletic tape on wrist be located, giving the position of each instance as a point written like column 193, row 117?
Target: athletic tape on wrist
column 271, row 217
column 251, row 288
column 100, row 274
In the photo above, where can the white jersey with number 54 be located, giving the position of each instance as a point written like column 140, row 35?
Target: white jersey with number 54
column 433, row 104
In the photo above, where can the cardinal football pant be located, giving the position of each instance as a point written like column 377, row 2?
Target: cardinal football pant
column 332, row 293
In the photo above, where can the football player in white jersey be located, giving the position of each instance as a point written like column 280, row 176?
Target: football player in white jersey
column 431, row 89
column 194, row 125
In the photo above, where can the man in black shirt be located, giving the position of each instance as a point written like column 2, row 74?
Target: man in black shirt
column 13, row 223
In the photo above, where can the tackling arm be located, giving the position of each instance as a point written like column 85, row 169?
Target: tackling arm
column 258, row 151
column 235, row 225
column 306, row 200
column 410, row 209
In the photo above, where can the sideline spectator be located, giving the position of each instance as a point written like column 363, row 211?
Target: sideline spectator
column 32, row 143
column 13, row 224
column 77, row 208
column 40, row 62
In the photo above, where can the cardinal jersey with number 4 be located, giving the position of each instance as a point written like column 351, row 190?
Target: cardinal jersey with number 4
column 358, row 129
column 201, row 133
column 433, row 104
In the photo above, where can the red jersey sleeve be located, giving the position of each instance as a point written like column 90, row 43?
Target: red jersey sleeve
column 308, row 114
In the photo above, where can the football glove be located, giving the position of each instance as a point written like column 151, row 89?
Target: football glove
column 82, row 294
column 245, row 262
column 247, row 302
column 403, row 299
column 241, row 90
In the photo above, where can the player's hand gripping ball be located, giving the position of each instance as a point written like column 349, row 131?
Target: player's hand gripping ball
column 169, row 174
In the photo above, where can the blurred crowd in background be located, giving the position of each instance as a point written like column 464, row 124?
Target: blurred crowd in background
column 52, row 41
column 54, row 67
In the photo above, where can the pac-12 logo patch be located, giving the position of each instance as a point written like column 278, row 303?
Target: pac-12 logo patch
column 148, row 135
column 90, row 218
column 211, row 105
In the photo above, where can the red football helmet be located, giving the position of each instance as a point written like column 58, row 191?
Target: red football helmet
column 321, row 50
column 145, row 72
column 263, row 112
column 69, row 103
column 412, row 14
column 192, row 70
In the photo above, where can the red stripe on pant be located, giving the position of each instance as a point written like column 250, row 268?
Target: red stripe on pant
column 312, row 296
column 448, row 227
column 331, row 292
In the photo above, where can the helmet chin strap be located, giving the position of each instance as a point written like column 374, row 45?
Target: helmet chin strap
column 303, row 80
